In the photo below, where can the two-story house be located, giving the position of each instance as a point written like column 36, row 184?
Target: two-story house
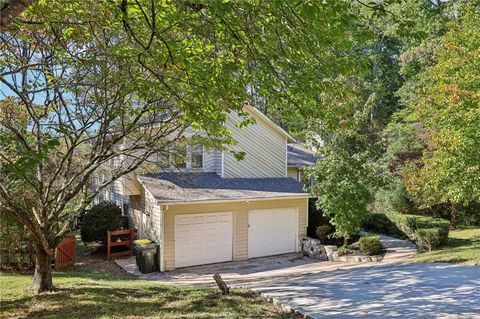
column 225, row 209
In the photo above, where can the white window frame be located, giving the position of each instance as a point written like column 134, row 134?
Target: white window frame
column 190, row 158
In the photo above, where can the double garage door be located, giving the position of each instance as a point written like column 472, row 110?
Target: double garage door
column 208, row 238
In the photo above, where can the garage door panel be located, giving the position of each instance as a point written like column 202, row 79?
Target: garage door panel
column 272, row 232
column 203, row 238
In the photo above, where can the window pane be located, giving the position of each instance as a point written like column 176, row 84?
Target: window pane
column 197, row 156
column 179, row 158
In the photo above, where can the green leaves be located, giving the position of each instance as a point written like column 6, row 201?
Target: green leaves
column 345, row 181
column 445, row 99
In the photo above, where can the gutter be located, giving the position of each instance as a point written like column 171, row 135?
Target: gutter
column 213, row 201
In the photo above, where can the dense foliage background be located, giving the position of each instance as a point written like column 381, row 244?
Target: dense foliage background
column 411, row 145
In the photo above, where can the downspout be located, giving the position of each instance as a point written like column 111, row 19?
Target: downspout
column 163, row 209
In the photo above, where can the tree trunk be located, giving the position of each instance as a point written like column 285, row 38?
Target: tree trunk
column 453, row 216
column 42, row 278
column 11, row 9
column 221, row 284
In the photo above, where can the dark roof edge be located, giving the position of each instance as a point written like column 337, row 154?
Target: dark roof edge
column 200, row 201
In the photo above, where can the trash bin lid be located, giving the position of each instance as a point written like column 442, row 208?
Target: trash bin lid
column 142, row 241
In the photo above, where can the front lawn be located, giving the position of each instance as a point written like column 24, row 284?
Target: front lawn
column 463, row 247
column 90, row 292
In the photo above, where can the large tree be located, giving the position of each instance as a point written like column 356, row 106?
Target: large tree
column 81, row 78
column 353, row 167
column 445, row 100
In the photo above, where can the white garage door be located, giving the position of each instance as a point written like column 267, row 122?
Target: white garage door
column 272, row 232
column 203, row 239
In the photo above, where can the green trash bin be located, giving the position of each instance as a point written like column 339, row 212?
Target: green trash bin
column 138, row 246
column 147, row 261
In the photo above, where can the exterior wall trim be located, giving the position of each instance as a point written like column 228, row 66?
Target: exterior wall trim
column 246, row 200
column 223, row 164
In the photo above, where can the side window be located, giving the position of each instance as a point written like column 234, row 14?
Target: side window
column 197, row 156
column 180, row 157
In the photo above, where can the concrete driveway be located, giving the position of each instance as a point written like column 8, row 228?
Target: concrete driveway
column 382, row 291
column 389, row 289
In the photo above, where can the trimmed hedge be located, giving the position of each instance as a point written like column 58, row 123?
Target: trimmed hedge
column 409, row 224
column 380, row 223
column 428, row 238
column 427, row 232
column 371, row 244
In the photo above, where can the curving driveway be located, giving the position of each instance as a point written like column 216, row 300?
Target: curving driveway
column 383, row 291
column 393, row 288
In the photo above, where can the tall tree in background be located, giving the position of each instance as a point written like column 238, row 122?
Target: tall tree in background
column 79, row 78
column 353, row 169
column 445, row 100
column 415, row 26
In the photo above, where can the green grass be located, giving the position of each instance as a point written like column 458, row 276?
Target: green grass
column 463, row 247
column 85, row 293
column 97, row 288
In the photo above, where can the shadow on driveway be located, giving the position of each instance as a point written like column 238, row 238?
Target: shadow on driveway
column 383, row 291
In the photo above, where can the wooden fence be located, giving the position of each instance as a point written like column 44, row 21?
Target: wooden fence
column 130, row 234
column 65, row 253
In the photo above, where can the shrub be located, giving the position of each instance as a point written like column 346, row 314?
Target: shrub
column 323, row 231
column 381, row 223
column 315, row 218
column 406, row 226
column 16, row 246
column 101, row 218
column 371, row 245
column 410, row 223
column 428, row 238
column 344, row 250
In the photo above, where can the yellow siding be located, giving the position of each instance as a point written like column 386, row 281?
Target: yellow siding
column 265, row 150
column 240, row 210
column 144, row 214
column 292, row 172
column 135, row 212
column 127, row 185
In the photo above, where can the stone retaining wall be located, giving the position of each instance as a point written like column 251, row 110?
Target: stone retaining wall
column 313, row 248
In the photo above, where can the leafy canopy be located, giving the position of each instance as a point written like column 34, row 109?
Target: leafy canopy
column 446, row 101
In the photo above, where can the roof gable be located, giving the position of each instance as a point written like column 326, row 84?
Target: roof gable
column 257, row 114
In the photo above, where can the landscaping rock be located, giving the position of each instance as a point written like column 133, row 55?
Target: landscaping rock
column 331, row 252
column 359, row 259
column 313, row 248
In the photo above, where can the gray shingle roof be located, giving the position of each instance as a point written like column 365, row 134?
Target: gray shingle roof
column 298, row 156
column 195, row 187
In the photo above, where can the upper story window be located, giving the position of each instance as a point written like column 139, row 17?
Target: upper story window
column 184, row 157
column 196, row 156
column 179, row 158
